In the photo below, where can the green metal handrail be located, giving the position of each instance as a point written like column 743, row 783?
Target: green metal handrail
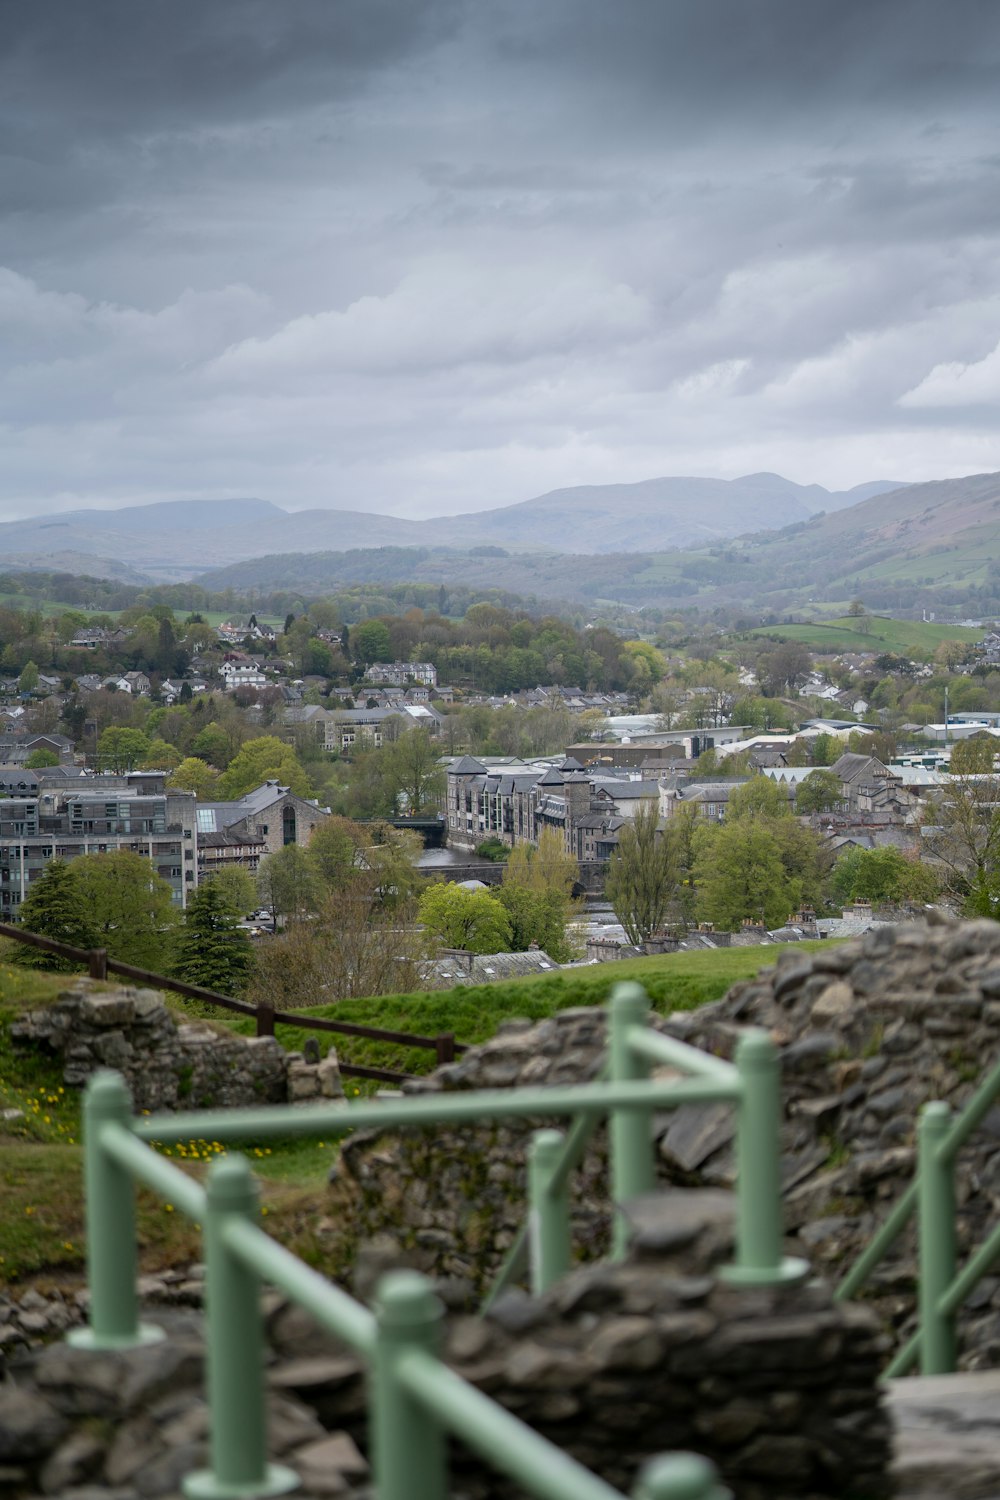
column 958, row 1133
column 942, row 1289
column 416, row 1399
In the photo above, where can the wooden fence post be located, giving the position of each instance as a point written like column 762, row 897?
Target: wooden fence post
column 265, row 1018
column 444, row 1046
column 98, row 963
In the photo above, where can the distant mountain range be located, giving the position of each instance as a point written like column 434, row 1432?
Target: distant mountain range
column 930, row 545
column 181, row 539
column 755, row 544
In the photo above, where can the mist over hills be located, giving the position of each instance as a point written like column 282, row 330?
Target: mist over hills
column 174, row 540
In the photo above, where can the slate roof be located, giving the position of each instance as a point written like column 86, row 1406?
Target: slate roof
column 851, row 765
column 467, row 766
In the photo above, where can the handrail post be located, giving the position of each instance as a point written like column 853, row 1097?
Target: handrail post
column 98, row 963
column 265, row 1018
column 680, row 1476
column 936, row 1228
column 632, row 1166
column 408, row 1445
column 759, row 1234
column 109, row 1198
column 548, row 1222
column 234, row 1351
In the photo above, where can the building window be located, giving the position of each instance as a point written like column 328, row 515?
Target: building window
column 288, row 825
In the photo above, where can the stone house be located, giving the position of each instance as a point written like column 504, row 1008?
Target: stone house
column 346, row 729
column 262, row 822
column 710, row 799
column 90, row 637
column 864, row 779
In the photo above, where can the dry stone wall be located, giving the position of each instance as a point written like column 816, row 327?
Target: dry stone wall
column 869, row 1031
column 168, row 1064
column 615, row 1364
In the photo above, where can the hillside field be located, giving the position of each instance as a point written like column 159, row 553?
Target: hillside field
column 913, row 638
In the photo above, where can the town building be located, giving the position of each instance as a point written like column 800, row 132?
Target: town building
column 263, row 821
column 237, row 674
column 513, row 801
column 70, row 817
column 399, row 673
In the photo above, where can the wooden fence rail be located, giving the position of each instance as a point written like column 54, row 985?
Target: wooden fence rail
column 99, row 966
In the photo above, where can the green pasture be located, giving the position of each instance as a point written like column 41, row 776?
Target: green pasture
column 913, row 638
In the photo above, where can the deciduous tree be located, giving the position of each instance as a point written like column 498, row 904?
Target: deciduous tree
column 473, row 920
column 642, row 877
column 819, row 792
column 120, row 750
column 974, row 757
column 411, row 767
column 263, row 759
column 195, row 775
column 882, row 875
column 741, row 877
column 236, row 887
column 288, row 883
column 40, row 758
column 355, row 947
column 131, row 907
column 962, row 834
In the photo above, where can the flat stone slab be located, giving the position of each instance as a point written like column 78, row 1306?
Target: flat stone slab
column 947, row 1436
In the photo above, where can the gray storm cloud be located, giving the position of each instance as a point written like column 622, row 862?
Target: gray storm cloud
column 430, row 255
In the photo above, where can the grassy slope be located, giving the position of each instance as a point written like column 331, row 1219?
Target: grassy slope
column 910, row 637
column 675, row 981
column 41, row 1226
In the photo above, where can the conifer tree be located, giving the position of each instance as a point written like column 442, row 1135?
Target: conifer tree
column 212, row 950
column 55, row 907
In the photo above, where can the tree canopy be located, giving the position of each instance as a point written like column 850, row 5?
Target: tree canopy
column 882, row 876
column 263, row 759
column 120, row 749
column 288, row 882
column 130, row 906
column 473, row 920
column 820, row 791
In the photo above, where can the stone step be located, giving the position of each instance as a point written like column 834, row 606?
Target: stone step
column 947, row 1436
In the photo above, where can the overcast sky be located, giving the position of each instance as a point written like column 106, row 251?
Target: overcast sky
column 424, row 256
